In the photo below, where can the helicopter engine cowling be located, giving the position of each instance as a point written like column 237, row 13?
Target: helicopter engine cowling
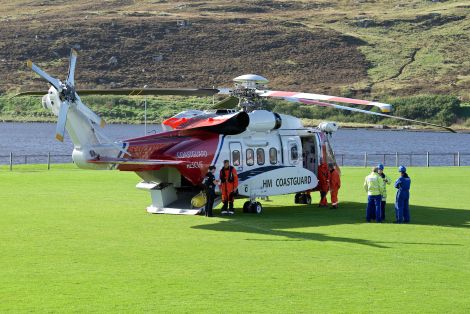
column 51, row 101
column 263, row 120
column 328, row 127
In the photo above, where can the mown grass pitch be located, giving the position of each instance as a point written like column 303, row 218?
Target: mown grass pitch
column 81, row 241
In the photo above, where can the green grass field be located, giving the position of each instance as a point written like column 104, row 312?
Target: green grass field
column 81, row 241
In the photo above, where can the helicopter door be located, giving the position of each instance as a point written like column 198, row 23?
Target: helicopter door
column 236, row 159
column 309, row 153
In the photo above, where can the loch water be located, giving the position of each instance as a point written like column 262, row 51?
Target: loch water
column 350, row 145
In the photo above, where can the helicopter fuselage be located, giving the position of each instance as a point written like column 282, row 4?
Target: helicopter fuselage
column 273, row 154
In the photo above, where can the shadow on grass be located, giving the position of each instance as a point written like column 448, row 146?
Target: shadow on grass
column 276, row 219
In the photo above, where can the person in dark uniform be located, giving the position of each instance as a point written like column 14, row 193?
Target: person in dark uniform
column 209, row 183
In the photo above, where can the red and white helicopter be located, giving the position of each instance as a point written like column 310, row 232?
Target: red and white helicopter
column 273, row 153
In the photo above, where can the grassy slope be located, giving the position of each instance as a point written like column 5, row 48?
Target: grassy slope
column 395, row 30
column 77, row 240
column 390, row 30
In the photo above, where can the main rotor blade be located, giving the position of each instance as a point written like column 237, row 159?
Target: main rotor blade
column 72, row 63
column 224, row 91
column 31, row 93
column 281, row 94
column 323, row 104
column 53, row 81
column 60, row 128
column 90, row 114
column 202, row 92
column 227, row 103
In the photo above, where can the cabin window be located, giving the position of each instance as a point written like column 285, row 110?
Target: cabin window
column 250, row 157
column 294, row 152
column 273, row 156
column 236, row 158
column 260, row 156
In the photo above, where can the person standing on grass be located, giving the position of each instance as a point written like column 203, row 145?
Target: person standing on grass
column 388, row 181
column 335, row 184
column 402, row 209
column 228, row 186
column 374, row 186
column 323, row 185
column 209, row 184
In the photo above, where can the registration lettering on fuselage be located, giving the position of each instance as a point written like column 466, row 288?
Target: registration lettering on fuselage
column 192, row 154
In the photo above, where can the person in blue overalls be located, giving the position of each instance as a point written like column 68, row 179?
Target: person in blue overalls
column 402, row 209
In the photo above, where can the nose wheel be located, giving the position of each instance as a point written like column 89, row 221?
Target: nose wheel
column 252, row 207
column 303, row 198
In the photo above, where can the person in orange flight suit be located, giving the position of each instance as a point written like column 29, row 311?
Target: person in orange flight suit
column 323, row 187
column 228, row 186
column 335, row 184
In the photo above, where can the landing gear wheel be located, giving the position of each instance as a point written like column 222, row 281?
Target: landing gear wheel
column 297, row 198
column 308, row 199
column 246, row 207
column 256, row 208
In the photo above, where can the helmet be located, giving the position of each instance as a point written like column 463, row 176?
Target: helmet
column 380, row 167
column 402, row 169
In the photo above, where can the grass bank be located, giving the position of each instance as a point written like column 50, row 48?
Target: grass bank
column 81, row 241
column 444, row 110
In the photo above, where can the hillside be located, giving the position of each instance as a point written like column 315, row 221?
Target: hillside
column 364, row 48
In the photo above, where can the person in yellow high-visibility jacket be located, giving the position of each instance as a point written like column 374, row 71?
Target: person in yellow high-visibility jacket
column 388, row 181
column 374, row 186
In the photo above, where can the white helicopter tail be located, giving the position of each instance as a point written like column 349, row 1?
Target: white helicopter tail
column 74, row 116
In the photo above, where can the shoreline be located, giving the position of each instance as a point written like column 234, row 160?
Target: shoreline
column 307, row 123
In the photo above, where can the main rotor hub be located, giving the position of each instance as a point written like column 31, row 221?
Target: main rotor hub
column 245, row 89
column 251, row 81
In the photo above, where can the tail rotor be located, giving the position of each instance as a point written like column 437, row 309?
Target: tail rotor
column 53, row 81
column 67, row 96
column 60, row 128
column 73, row 61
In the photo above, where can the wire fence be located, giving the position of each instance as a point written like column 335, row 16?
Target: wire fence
column 365, row 160
column 409, row 159
column 24, row 159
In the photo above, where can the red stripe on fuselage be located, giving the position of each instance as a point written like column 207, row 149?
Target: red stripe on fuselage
column 196, row 148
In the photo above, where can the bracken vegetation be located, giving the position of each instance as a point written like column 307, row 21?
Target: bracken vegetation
column 383, row 50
